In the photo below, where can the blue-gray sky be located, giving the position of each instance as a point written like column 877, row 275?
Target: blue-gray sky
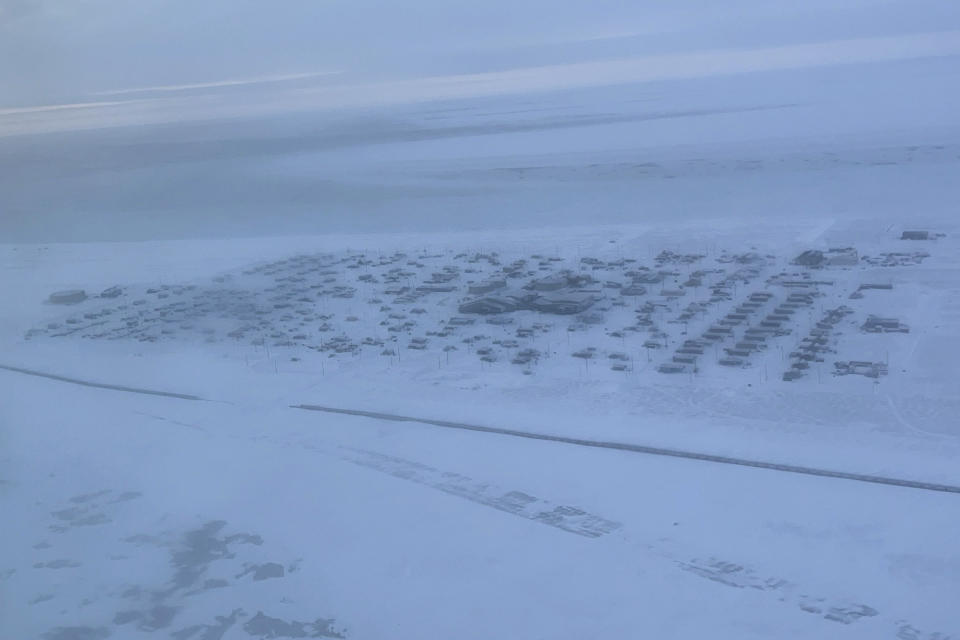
column 68, row 51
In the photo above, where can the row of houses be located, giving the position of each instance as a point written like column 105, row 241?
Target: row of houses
column 816, row 343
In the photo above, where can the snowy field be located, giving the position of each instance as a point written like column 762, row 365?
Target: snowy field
column 564, row 330
column 143, row 514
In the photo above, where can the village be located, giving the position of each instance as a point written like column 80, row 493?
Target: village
column 678, row 315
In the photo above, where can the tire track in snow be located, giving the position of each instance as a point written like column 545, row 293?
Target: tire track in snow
column 636, row 448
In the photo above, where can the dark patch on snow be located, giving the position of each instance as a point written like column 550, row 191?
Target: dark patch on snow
column 59, row 563
column 77, row 633
column 126, row 617
column 87, row 497
column 518, row 503
column 244, row 538
column 158, row 617
column 214, row 583
column 741, row 577
column 263, row 626
column 127, row 495
column 79, row 517
column 209, row 631
column 199, row 548
column 263, row 571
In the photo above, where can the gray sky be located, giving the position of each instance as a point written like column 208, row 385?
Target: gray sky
column 65, row 51
column 81, row 64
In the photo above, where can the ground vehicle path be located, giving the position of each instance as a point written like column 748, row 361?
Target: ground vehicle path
column 636, row 448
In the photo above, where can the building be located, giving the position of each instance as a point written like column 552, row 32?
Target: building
column 846, row 256
column 501, row 303
column 487, row 286
column 71, row 296
column 876, row 324
column 810, row 258
column 564, row 302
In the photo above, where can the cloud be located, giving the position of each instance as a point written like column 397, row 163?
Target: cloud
column 67, row 107
column 218, row 84
column 690, row 65
column 455, row 86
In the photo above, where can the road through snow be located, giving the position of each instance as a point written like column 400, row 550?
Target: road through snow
column 600, row 444
column 100, row 385
column 636, row 448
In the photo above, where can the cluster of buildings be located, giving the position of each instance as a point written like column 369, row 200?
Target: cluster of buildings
column 312, row 302
column 561, row 294
column 816, row 343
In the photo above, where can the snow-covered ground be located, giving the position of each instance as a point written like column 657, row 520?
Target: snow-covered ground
column 242, row 516
column 607, row 320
